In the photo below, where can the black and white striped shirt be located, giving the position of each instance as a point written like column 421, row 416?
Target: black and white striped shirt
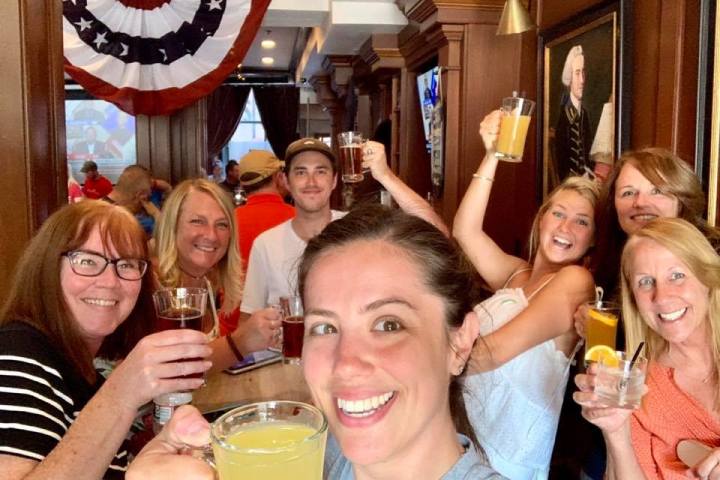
column 41, row 394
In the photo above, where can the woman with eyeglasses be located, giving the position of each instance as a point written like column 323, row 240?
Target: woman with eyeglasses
column 81, row 291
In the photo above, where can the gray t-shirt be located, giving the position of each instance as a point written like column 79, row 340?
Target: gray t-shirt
column 470, row 466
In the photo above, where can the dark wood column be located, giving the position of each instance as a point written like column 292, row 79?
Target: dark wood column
column 34, row 180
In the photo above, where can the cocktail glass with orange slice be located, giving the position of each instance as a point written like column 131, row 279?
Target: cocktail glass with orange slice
column 601, row 328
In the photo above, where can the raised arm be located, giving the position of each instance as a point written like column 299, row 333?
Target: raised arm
column 408, row 200
column 549, row 315
column 493, row 265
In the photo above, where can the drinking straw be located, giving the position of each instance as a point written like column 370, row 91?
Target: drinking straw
column 636, row 355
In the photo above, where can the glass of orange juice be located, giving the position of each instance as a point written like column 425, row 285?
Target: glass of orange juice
column 273, row 440
column 513, row 128
column 600, row 330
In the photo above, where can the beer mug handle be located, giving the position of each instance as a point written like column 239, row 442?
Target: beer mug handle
column 204, row 453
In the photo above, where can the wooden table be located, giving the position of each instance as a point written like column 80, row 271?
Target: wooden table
column 270, row 382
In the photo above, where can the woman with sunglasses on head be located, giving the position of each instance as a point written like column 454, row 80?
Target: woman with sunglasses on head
column 81, row 291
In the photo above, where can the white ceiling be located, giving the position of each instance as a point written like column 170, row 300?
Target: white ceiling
column 332, row 27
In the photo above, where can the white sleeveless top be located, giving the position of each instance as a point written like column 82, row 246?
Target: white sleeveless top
column 514, row 409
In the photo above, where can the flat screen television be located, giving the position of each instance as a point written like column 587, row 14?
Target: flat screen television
column 99, row 131
column 427, row 84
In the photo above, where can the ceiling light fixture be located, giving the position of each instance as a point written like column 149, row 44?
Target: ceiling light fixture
column 515, row 19
column 268, row 43
column 267, row 60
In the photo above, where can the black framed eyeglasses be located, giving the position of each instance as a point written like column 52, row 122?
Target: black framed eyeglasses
column 91, row 264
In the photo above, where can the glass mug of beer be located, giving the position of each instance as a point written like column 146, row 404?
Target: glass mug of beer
column 351, row 155
column 293, row 328
column 513, row 128
column 274, row 440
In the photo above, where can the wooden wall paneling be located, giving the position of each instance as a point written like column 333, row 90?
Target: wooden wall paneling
column 451, row 59
column 34, row 179
column 414, row 161
column 492, row 72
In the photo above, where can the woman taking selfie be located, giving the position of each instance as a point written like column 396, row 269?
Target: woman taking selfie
column 383, row 359
column 81, row 291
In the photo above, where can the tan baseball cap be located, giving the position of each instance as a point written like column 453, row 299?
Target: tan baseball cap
column 309, row 144
column 257, row 165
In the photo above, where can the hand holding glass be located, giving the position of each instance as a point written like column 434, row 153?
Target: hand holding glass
column 513, row 128
column 180, row 308
column 619, row 382
column 274, row 440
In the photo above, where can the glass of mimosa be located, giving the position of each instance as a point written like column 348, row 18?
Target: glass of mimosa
column 274, row 440
column 513, row 128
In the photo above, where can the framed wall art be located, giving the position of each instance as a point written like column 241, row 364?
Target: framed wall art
column 583, row 95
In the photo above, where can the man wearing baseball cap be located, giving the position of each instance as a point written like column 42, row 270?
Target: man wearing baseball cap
column 310, row 175
column 260, row 177
column 96, row 186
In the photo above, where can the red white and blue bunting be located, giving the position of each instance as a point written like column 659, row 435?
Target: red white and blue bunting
column 153, row 57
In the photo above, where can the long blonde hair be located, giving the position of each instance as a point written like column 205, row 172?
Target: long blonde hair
column 690, row 246
column 228, row 272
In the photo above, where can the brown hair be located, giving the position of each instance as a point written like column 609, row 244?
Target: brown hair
column 672, row 176
column 36, row 296
column 692, row 248
column 446, row 271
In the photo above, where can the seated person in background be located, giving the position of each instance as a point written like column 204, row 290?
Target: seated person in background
column 368, row 335
column 81, row 291
column 518, row 370
column 232, row 178
column 310, row 176
column 96, row 186
column 260, row 177
column 132, row 190
column 196, row 246
column 671, row 301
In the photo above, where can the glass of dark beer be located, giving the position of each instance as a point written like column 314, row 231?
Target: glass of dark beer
column 180, row 308
column 293, row 328
column 351, row 144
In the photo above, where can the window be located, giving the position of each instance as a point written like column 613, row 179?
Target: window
column 250, row 134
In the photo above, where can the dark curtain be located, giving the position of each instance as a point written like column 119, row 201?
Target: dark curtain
column 278, row 107
column 224, row 109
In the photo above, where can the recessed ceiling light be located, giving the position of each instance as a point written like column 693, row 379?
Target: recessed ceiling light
column 268, row 44
column 267, row 60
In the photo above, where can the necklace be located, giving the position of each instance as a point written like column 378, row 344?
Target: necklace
column 191, row 275
column 703, row 380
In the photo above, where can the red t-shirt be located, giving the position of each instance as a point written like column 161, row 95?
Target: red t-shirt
column 261, row 212
column 97, row 188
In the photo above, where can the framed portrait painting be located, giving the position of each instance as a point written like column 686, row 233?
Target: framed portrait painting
column 583, row 95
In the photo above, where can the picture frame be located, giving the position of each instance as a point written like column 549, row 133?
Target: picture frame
column 713, row 157
column 583, row 122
